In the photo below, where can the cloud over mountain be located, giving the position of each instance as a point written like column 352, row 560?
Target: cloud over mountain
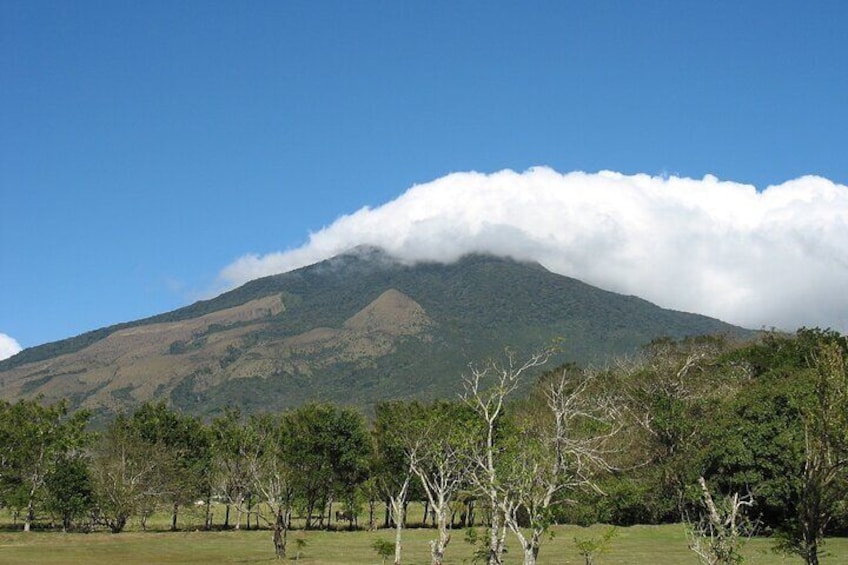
column 776, row 257
column 8, row 346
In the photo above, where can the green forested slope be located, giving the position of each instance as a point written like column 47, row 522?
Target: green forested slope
column 477, row 306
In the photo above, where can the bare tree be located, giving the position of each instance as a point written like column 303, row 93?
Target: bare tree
column 395, row 445
column 486, row 389
column 554, row 451
column 719, row 534
column 439, row 457
column 397, row 502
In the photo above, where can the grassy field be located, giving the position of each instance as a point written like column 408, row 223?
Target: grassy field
column 652, row 545
column 649, row 545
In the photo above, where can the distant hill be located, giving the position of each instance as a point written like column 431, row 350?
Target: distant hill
column 354, row 329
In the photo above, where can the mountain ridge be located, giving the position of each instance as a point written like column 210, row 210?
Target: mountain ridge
column 356, row 328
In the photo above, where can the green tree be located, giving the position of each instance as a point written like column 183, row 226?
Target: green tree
column 33, row 439
column 757, row 443
column 349, row 451
column 672, row 391
column 70, row 492
column 271, row 474
column 824, row 478
column 185, row 444
column 784, row 434
column 127, row 472
column 231, row 444
column 329, row 450
column 589, row 547
column 384, row 548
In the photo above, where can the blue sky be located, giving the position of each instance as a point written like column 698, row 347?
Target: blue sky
column 145, row 147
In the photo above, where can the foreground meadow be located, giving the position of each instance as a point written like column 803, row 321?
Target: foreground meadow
column 654, row 545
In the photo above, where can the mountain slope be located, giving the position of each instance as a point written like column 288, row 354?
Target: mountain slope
column 354, row 329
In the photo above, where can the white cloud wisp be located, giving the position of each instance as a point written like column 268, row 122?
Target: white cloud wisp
column 771, row 258
column 8, row 346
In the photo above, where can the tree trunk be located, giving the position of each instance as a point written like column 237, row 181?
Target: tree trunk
column 531, row 548
column 398, row 510
column 279, row 542
column 813, row 558
column 118, row 524
column 174, row 517
column 310, row 508
column 494, row 557
column 496, row 536
column 208, row 522
column 399, row 519
column 529, row 556
column 438, row 546
column 30, row 516
column 811, row 551
column 280, row 534
column 321, row 507
column 495, row 539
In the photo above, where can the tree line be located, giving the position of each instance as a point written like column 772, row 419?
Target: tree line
column 730, row 438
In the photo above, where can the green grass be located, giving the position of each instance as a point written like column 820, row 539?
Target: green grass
column 653, row 545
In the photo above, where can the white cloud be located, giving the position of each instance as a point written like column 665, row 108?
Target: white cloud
column 776, row 257
column 8, row 346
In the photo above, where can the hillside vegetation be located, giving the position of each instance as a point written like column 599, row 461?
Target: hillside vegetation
column 355, row 329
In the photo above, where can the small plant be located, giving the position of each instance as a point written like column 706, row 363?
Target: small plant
column 384, row 549
column 481, row 553
column 299, row 544
column 589, row 548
